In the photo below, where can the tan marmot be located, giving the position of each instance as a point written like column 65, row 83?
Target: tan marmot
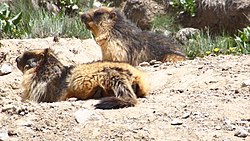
column 120, row 40
column 46, row 79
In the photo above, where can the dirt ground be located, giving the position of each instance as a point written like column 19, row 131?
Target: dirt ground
column 204, row 99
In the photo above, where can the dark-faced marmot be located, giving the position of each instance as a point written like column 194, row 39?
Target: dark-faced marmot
column 120, row 40
column 46, row 79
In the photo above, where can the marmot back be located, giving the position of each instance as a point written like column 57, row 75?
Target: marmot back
column 121, row 40
column 46, row 79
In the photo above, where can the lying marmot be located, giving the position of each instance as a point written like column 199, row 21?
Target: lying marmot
column 121, row 40
column 46, row 79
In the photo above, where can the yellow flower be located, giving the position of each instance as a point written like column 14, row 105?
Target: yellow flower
column 232, row 48
column 216, row 49
column 208, row 52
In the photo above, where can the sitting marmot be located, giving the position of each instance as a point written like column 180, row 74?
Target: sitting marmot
column 120, row 40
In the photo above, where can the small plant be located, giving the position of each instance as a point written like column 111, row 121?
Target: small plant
column 70, row 6
column 40, row 23
column 9, row 22
column 184, row 6
column 165, row 22
column 204, row 44
column 243, row 40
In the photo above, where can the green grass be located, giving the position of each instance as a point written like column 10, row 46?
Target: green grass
column 39, row 23
column 46, row 24
column 204, row 44
column 165, row 22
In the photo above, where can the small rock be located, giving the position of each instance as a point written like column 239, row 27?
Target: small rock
column 153, row 62
column 72, row 99
column 218, row 127
column 12, row 133
column 227, row 139
column 144, row 64
column 225, row 69
column 241, row 133
column 213, row 81
column 22, row 111
column 176, row 122
column 26, row 122
column 245, row 83
column 180, row 91
column 83, row 115
column 168, row 33
column 8, row 107
column 185, row 115
column 156, row 65
column 230, row 127
column 3, row 135
column 196, row 113
column 5, row 68
column 185, row 34
column 200, row 67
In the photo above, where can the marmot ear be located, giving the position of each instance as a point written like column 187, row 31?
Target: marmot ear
column 46, row 52
column 112, row 15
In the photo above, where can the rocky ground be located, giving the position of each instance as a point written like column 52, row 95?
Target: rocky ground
column 195, row 100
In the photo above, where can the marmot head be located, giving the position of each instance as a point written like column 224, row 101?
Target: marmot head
column 32, row 59
column 100, row 20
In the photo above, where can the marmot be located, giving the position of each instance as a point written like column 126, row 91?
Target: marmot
column 121, row 40
column 46, row 79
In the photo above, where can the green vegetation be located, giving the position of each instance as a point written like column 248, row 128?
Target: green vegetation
column 165, row 22
column 188, row 6
column 204, row 44
column 243, row 40
column 31, row 22
column 9, row 22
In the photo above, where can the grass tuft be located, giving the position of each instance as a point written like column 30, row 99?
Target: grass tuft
column 40, row 23
column 204, row 44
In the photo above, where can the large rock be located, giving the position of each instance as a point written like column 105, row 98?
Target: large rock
column 142, row 12
column 218, row 15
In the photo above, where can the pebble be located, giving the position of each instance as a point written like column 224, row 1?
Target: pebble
column 72, row 99
column 200, row 67
column 230, row 127
column 241, row 133
column 8, row 108
column 153, row 62
column 144, row 64
column 22, row 111
column 218, row 127
column 186, row 115
column 245, row 83
column 3, row 134
column 176, row 122
column 24, row 122
column 83, row 115
column 156, row 65
column 5, row 68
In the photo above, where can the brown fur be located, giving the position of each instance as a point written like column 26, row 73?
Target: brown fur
column 121, row 40
column 47, row 80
